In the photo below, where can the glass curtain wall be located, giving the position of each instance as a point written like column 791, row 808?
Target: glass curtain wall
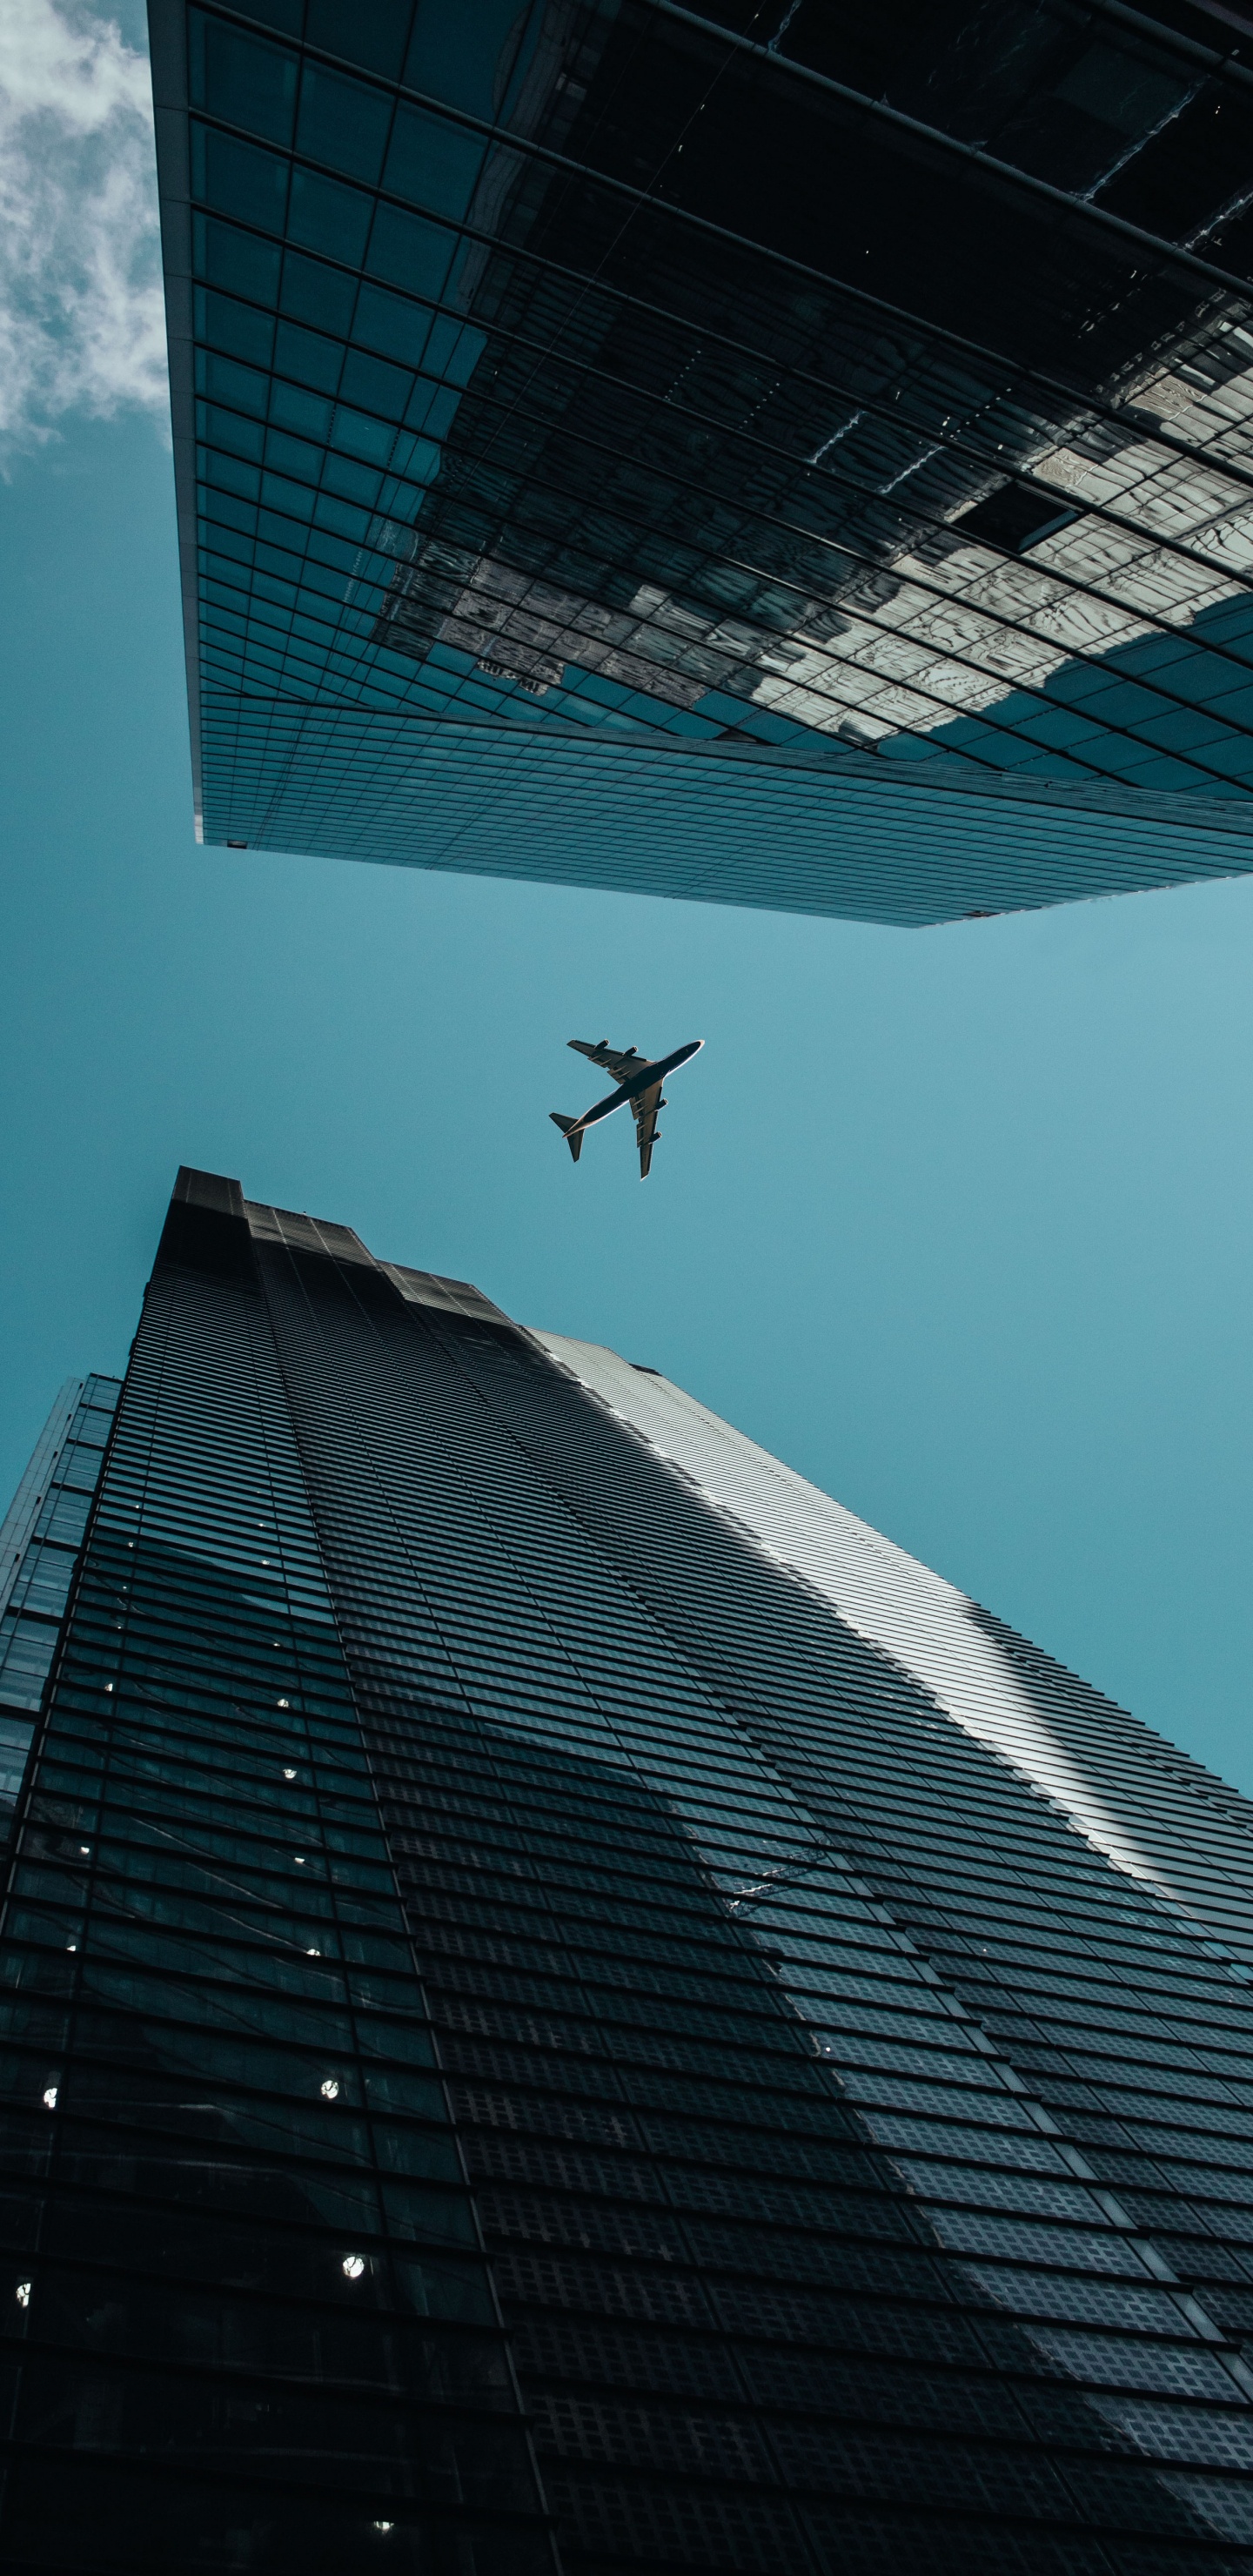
column 40, row 1544
column 754, row 454
column 247, row 2318
column 818, row 2192
column 528, row 2034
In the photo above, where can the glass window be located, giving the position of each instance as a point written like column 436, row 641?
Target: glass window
column 308, row 357
column 328, row 217
column 375, row 40
column 240, row 78
column 433, row 163
column 322, row 297
column 239, row 179
column 235, row 260
column 409, row 252
column 343, row 123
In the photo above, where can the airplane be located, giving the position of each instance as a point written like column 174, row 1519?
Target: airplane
column 639, row 1081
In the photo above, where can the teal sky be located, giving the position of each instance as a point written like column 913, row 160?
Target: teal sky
column 956, row 1221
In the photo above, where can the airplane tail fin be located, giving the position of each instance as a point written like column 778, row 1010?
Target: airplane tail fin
column 570, row 1129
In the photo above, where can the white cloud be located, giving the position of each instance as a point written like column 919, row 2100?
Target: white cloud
column 82, row 324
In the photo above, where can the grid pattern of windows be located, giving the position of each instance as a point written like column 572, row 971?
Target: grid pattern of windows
column 1157, row 1814
column 574, row 400
column 247, row 2321
column 530, row 2040
column 39, row 1549
column 814, row 2182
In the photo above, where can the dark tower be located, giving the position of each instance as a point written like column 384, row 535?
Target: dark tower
column 566, row 2004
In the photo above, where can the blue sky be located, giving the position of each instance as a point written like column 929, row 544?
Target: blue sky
column 956, row 1221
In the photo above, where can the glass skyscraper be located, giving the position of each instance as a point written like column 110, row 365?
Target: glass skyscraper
column 565, row 2004
column 40, row 1537
column 792, row 455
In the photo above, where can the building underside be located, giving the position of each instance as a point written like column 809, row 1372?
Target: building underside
column 794, row 457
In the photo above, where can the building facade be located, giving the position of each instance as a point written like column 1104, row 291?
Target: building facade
column 566, row 2005
column 40, row 1537
column 794, row 456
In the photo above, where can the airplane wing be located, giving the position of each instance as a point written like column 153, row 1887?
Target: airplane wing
column 620, row 1062
column 646, row 1106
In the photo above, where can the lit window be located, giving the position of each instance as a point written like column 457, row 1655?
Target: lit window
column 313, row 1954
column 300, row 1860
column 385, row 2526
column 330, row 2089
column 284, row 1703
column 354, row 2266
column 23, row 2293
column 50, row 2097
column 289, row 1775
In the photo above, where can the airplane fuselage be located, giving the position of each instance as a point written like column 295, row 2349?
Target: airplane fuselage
column 649, row 1074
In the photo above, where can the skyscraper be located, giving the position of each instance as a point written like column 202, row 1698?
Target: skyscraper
column 567, row 2004
column 791, row 455
column 40, row 1536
